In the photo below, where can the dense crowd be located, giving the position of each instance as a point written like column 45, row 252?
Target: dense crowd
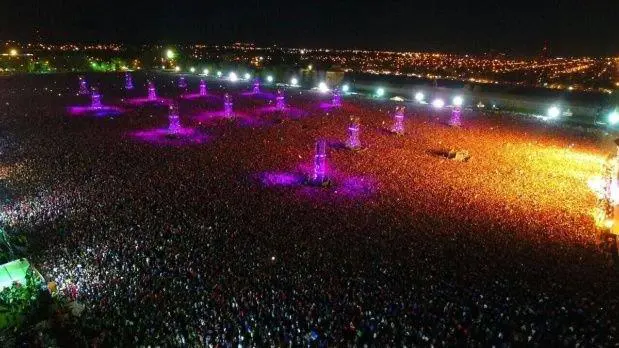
column 182, row 246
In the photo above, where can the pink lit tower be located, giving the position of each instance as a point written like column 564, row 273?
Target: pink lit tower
column 337, row 98
column 152, row 92
column 203, row 89
column 398, row 120
column 174, row 121
column 228, row 105
column 353, row 141
column 280, row 103
column 83, row 86
column 95, row 99
column 319, row 175
column 128, row 81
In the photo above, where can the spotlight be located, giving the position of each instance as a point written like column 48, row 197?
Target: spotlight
column 192, row 70
column 247, row 76
column 205, row 72
column 232, row 76
column 323, row 88
column 554, row 112
column 345, row 88
column 269, row 79
column 380, row 92
column 170, row 54
column 458, row 101
column 438, row 103
column 177, row 68
column 294, row 81
column 419, row 97
column 613, row 118
column 219, row 74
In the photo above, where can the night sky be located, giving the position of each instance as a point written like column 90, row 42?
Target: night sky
column 522, row 27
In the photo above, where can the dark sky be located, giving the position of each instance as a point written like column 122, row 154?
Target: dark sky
column 517, row 27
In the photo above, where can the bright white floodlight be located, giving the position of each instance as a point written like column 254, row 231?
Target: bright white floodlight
column 554, row 112
column 613, row 118
column 269, row 79
column 294, row 81
column 345, row 88
column 323, row 88
column 438, row 103
column 458, row 101
column 232, row 77
column 419, row 97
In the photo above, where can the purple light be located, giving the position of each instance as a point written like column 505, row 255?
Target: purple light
column 95, row 99
column 152, row 92
column 182, row 83
column 337, row 98
column 83, row 86
column 256, row 88
column 174, row 125
column 162, row 137
column 280, row 103
column 455, row 119
column 228, row 106
column 128, row 81
column 281, row 179
column 398, row 120
column 353, row 141
column 203, row 88
column 320, row 159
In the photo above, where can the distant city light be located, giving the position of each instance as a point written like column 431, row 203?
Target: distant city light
column 294, row 81
column 232, row 77
column 247, row 76
column 554, row 112
column 419, row 97
column 438, row 103
column 458, row 101
column 13, row 52
column 309, row 67
column 192, row 70
column 177, row 68
column 380, row 92
column 345, row 88
column 170, row 54
column 205, row 72
column 269, row 78
column 322, row 87
column 613, row 118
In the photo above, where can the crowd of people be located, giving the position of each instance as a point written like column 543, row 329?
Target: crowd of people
column 181, row 246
